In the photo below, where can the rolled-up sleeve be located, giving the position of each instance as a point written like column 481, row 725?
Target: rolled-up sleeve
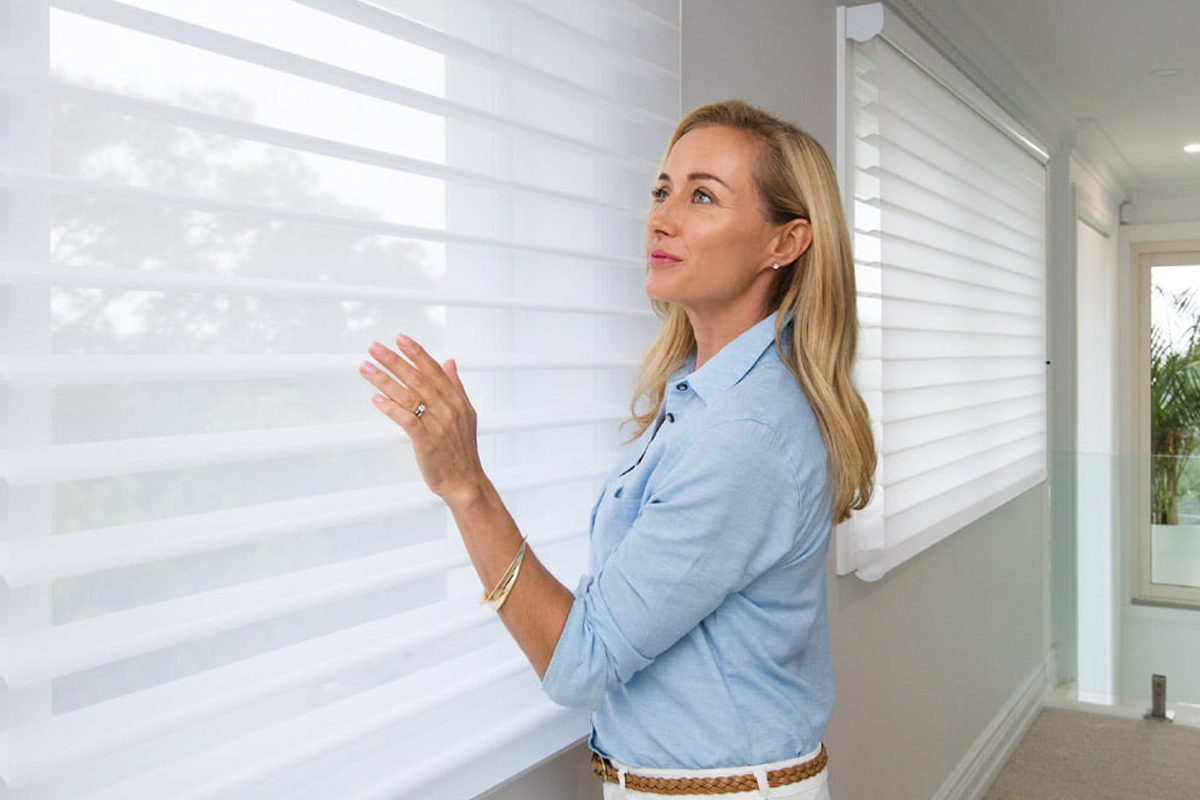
column 727, row 507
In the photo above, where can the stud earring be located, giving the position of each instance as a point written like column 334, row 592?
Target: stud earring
column 775, row 265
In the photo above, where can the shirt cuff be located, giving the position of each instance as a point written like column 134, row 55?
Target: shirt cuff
column 561, row 674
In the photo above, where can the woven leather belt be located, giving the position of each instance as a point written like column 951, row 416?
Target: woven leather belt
column 721, row 784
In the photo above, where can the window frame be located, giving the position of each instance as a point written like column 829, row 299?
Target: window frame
column 1146, row 256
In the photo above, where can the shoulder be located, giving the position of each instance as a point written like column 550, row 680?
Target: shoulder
column 764, row 419
column 770, row 395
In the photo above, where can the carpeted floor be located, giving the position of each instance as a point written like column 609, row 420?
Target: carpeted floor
column 1072, row 755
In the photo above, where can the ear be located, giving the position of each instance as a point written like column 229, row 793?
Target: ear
column 792, row 241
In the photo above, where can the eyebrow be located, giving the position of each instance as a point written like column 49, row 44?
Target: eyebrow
column 697, row 176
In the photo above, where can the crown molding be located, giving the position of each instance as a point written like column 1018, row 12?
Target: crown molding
column 1166, row 202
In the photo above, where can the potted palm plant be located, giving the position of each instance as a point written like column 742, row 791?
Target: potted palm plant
column 1174, row 407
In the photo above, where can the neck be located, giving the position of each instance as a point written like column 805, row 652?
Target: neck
column 713, row 334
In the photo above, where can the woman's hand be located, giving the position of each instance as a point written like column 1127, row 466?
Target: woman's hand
column 428, row 401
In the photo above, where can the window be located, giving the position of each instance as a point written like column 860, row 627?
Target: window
column 222, row 575
column 948, row 222
column 1167, row 562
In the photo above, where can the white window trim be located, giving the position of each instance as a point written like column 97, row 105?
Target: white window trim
column 1146, row 256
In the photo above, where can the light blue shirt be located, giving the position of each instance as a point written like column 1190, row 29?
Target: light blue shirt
column 699, row 640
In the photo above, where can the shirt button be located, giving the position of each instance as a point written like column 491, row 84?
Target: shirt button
column 681, row 387
column 670, row 417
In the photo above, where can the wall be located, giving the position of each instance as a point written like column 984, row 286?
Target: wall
column 929, row 658
column 1099, row 500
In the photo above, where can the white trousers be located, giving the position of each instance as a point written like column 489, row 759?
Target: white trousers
column 814, row 788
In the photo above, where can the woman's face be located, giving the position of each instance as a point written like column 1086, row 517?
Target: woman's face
column 708, row 246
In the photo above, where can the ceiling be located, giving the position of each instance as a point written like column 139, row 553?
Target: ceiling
column 1087, row 65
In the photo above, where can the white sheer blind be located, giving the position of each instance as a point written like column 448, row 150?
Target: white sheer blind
column 949, row 230
column 222, row 575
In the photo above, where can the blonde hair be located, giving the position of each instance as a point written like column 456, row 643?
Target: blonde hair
column 796, row 181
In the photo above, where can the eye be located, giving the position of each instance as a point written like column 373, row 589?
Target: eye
column 701, row 196
column 658, row 194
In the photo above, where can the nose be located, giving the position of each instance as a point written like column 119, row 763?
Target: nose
column 662, row 219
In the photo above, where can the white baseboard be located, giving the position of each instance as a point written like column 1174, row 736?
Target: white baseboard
column 988, row 754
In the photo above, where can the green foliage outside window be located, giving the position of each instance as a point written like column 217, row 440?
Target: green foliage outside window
column 1174, row 410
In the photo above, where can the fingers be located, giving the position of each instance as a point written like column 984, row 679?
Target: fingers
column 415, row 371
column 451, row 370
column 412, row 378
column 393, row 399
column 437, row 378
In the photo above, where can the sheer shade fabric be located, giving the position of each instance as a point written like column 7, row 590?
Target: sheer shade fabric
column 222, row 575
column 949, row 228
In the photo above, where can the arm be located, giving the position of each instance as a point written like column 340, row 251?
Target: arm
column 727, row 509
column 444, row 442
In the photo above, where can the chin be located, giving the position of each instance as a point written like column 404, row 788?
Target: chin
column 655, row 290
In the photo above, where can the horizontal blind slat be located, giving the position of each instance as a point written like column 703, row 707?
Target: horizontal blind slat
column 943, row 446
column 81, row 645
column 905, row 88
column 935, row 258
column 75, row 646
column 982, row 153
column 963, row 275
column 899, row 168
column 68, row 370
column 951, row 290
column 28, row 466
column 213, row 771
column 586, row 38
column 917, row 485
column 55, row 743
column 960, row 205
column 406, row 30
column 902, row 344
column 132, row 279
column 965, row 423
column 920, row 315
column 945, row 512
column 525, row 723
column 48, row 558
column 48, row 182
column 914, row 224
column 292, row 64
column 265, row 134
column 922, row 400
column 903, row 375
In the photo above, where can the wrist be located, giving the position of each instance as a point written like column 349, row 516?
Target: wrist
column 467, row 494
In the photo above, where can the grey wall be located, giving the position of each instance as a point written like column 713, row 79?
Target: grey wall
column 928, row 656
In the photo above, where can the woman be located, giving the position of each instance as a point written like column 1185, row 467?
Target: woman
column 699, row 640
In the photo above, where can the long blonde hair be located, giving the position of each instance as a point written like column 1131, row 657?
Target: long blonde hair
column 795, row 179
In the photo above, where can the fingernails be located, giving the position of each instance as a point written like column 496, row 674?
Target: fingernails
column 403, row 340
column 367, row 368
column 376, row 349
column 378, row 399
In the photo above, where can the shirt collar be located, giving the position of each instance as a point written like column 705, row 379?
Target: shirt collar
column 733, row 361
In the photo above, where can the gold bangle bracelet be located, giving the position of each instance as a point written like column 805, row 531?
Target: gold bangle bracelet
column 495, row 598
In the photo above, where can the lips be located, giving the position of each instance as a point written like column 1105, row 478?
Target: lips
column 661, row 258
